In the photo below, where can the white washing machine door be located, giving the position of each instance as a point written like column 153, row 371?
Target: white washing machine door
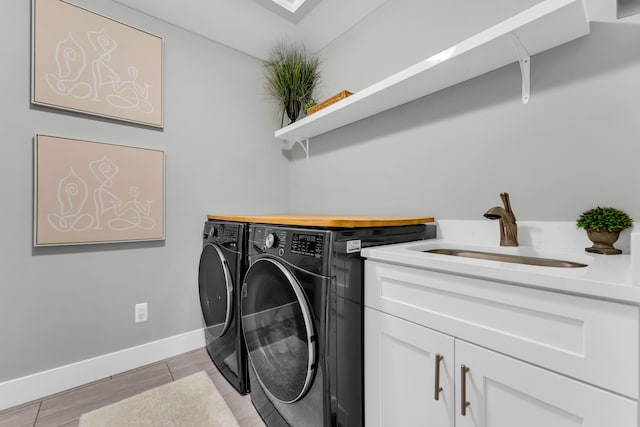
column 278, row 330
column 216, row 290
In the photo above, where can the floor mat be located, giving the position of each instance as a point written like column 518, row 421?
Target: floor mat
column 191, row 401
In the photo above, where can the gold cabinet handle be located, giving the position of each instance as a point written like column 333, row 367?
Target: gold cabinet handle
column 437, row 389
column 463, row 390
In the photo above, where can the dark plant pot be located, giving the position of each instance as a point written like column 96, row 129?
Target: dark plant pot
column 292, row 108
column 603, row 241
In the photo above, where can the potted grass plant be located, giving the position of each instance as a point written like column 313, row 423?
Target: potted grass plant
column 603, row 226
column 291, row 78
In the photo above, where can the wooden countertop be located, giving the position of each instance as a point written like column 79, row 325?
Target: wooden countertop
column 327, row 221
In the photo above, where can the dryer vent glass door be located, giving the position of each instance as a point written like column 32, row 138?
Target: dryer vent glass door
column 278, row 330
column 216, row 290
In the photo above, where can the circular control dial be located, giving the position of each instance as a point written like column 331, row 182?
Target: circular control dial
column 270, row 240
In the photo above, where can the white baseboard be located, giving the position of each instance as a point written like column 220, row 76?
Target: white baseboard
column 31, row 387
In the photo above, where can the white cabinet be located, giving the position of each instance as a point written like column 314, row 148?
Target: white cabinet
column 516, row 343
column 504, row 392
column 401, row 370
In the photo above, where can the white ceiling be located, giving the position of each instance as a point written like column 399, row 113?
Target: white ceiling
column 256, row 26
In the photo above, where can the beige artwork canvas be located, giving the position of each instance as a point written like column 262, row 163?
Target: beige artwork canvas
column 94, row 192
column 88, row 63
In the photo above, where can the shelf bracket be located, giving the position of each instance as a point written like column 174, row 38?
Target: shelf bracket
column 525, row 62
column 304, row 144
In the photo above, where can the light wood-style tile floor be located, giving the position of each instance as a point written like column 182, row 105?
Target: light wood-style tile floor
column 65, row 408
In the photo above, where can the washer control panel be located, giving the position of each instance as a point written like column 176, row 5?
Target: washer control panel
column 308, row 244
column 289, row 241
column 306, row 249
column 224, row 234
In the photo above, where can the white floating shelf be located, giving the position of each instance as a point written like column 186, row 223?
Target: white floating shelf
column 543, row 26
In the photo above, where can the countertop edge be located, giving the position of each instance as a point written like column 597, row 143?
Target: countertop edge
column 543, row 278
column 325, row 221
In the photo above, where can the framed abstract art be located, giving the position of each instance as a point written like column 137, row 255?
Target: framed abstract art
column 93, row 192
column 88, row 63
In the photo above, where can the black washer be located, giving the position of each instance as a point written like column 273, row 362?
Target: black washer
column 302, row 316
column 222, row 266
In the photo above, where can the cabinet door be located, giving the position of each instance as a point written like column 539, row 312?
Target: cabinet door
column 400, row 373
column 505, row 392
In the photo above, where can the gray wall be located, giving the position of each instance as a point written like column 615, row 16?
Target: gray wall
column 447, row 155
column 60, row 305
column 574, row 146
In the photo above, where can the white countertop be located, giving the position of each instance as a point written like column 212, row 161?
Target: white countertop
column 606, row 276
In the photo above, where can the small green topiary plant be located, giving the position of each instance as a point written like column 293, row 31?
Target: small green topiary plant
column 609, row 219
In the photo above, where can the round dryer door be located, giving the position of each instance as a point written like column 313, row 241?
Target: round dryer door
column 278, row 330
column 216, row 290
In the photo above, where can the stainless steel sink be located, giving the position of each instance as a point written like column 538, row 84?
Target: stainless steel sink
column 517, row 259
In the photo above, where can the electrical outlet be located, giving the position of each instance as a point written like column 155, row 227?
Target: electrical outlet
column 141, row 314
